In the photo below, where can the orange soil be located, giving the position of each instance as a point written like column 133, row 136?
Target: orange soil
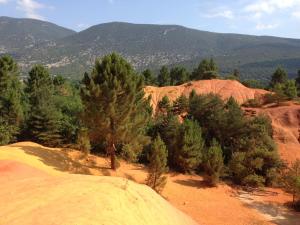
column 224, row 88
column 286, row 127
column 186, row 192
column 39, row 191
column 285, row 119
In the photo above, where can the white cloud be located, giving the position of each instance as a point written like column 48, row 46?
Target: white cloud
column 261, row 7
column 3, row 1
column 261, row 26
column 30, row 7
column 228, row 14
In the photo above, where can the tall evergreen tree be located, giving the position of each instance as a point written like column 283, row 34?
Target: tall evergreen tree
column 290, row 89
column 181, row 105
column 190, row 145
column 44, row 118
column 115, row 111
column 149, row 78
column 164, row 78
column 236, row 74
column 213, row 163
column 207, row 69
column 157, row 165
column 291, row 180
column 11, row 111
column 179, row 75
column 169, row 129
column 298, row 82
column 68, row 103
column 164, row 105
column 279, row 77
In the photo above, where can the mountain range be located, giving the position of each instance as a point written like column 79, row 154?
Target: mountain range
column 71, row 53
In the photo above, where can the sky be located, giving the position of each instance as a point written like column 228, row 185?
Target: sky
column 258, row 17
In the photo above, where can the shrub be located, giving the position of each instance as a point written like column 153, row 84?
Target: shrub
column 190, row 146
column 254, row 168
column 255, row 103
column 291, row 181
column 157, row 165
column 83, row 141
column 213, row 163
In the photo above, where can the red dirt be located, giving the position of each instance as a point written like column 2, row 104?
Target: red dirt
column 16, row 170
column 286, row 128
column 285, row 119
column 224, row 88
column 186, row 192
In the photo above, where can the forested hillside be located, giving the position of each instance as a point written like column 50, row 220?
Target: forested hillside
column 145, row 46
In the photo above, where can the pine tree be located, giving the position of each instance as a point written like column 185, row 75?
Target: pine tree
column 291, row 180
column 180, row 105
column 11, row 110
column 67, row 101
column 213, row 163
column 232, row 128
column 164, row 78
column 83, row 141
column 236, row 74
column 207, row 69
column 191, row 145
column 115, row 111
column 290, row 89
column 298, row 82
column 279, row 77
column 164, row 105
column 44, row 119
column 179, row 75
column 157, row 165
column 149, row 79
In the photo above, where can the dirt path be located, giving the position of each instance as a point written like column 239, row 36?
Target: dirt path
column 270, row 204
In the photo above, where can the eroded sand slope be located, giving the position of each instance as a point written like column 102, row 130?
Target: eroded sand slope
column 286, row 128
column 224, row 88
column 36, row 187
column 32, row 192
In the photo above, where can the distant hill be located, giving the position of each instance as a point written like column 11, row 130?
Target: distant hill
column 152, row 46
column 18, row 36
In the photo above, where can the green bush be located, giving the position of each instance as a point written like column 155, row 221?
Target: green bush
column 83, row 141
column 255, row 168
column 157, row 165
column 190, row 146
column 290, row 180
column 254, row 103
column 213, row 163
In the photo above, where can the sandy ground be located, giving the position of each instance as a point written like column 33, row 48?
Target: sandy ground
column 39, row 192
column 270, row 202
column 189, row 193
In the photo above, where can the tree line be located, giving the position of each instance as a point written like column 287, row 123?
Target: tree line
column 107, row 112
column 208, row 69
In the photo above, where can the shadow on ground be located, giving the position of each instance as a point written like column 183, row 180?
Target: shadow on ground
column 193, row 183
column 61, row 160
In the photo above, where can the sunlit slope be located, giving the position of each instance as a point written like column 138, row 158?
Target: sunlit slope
column 33, row 192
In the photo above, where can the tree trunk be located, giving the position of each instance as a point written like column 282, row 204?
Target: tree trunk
column 113, row 159
column 294, row 197
column 112, row 153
